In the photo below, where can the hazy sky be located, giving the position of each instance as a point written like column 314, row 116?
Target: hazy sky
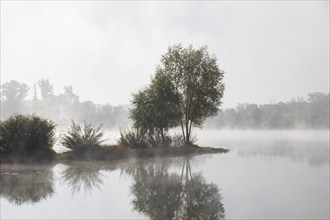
column 270, row 51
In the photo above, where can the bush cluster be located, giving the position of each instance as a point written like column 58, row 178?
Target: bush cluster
column 80, row 139
column 133, row 138
column 138, row 138
column 27, row 135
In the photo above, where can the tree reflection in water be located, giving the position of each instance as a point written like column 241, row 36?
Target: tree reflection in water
column 24, row 185
column 157, row 193
column 82, row 175
column 163, row 195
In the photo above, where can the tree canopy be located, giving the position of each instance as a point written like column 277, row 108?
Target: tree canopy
column 156, row 108
column 186, row 89
column 13, row 94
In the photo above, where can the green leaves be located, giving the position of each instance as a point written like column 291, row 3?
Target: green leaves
column 27, row 135
column 134, row 138
column 186, row 89
column 198, row 81
column 156, row 108
column 78, row 138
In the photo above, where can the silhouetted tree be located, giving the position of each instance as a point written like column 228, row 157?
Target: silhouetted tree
column 198, row 81
column 87, row 111
column 46, row 90
column 156, row 108
column 70, row 96
column 13, row 94
column 310, row 113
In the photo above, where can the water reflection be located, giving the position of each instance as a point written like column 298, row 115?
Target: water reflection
column 84, row 176
column 24, row 185
column 160, row 194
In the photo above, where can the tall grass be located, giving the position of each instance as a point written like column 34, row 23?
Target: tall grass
column 80, row 138
column 134, row 138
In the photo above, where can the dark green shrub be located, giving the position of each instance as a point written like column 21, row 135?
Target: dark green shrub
column 27, row 135
column 134, row 138
column 80, row 139
column 158, row 140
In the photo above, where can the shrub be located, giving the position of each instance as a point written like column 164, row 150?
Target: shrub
column 177, row 140
column 27, row 135
column 134, row 138
column 80, row 139
column 157, row 140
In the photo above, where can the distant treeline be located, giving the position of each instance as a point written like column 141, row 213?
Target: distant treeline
column 312, row 113
column 60, row 108
column 309, row 113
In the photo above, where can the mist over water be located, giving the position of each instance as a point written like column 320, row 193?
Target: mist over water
column 85, row 61
column 266, row 174
column 299, row 145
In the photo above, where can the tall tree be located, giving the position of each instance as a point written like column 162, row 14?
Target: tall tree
column 13, row 94
column 70, row 96
column 46, row 89
column 156, row 108
column 198, row 81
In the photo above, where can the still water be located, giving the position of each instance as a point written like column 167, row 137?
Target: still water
column 265, row 175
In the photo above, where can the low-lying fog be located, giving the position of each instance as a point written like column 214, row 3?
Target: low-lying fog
column 297, row 144
column 266, row 174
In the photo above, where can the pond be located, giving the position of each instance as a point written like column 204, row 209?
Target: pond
column 265, row 175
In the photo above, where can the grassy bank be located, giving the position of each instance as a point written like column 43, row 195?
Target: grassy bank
column 29, row 139
column 115, row 152
column 106, row 153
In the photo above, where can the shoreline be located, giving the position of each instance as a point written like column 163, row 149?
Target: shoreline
column 116, row 153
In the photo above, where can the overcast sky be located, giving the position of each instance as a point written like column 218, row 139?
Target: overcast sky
column 270, row 51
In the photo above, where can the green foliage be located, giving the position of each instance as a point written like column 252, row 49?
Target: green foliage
column 134, row 138
column 80, row 139
column 198, row 81
column 139, row 138
column 156, row 108
column 26, row 135
column 186, row 89
column 158, row 140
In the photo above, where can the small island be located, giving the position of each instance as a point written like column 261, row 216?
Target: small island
column 30, row 139
column 185, row 90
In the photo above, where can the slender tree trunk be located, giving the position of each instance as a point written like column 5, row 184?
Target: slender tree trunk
column 162, row 135
column 183, row 134
column 187, row 132
column 190, row 130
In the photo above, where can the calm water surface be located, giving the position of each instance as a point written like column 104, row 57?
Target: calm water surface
column 266, row 175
